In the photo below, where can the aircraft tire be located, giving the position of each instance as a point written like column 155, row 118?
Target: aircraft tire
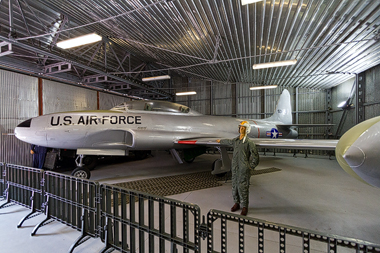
column 190, row 160
column 81, row 172
column 90, row 161
column 141, row 155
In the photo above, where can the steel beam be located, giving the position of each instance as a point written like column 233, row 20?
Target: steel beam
column 92, row 57
column 56, row 68
column 95, row 79
column 122, row 61
column 117, row 58
column 120, row 86
column 5, row 44
column 10, row 18
column 130, row 81
column 360, row 97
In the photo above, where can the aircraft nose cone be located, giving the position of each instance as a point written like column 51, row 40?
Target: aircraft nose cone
column 354, row 156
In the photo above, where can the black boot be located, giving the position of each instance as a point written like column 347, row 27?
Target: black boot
column 235, row 207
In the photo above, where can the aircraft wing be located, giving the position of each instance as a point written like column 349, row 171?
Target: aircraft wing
column 305, row 125
column 272, row 143
column 296, row 143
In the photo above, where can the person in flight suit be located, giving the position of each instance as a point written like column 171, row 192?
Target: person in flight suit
column 39, row 154
column 244, row 160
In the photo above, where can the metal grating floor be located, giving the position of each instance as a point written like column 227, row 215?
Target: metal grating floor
column 172, row 185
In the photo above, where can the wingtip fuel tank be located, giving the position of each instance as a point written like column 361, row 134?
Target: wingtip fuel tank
column 358, row 153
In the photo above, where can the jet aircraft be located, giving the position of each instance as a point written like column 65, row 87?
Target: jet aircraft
column 162, row 125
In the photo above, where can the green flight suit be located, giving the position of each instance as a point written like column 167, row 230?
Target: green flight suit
column 245, row 158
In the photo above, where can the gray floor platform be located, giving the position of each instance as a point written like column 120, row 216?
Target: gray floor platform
column 312, row 193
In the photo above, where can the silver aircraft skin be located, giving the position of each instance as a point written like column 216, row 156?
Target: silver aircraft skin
column 147, row 125
column 358, row 151
column 160, row 125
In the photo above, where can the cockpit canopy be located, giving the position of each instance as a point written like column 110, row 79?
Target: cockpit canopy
column 155, row 106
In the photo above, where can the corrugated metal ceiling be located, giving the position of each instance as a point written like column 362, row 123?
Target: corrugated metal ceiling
column 213, row 40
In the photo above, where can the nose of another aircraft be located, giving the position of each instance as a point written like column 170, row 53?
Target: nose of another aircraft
column 357, row 151
column 354, row 156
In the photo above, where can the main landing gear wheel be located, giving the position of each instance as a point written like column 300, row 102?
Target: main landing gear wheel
column 81, row 172
column 140, row 155
column 90, row 161
column 189, row 160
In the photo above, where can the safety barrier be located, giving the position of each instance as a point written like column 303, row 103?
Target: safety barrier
column 131, row 217
column 2, row 181
column 72, row 201
column 132, row 221
column 255, row 235
column 24, row 187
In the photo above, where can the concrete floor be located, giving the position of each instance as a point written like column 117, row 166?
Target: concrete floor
column 312, row 193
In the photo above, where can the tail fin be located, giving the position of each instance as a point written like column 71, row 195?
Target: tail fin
column 283, row 110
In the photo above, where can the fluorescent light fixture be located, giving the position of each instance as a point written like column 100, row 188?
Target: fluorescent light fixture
column 155, row 78
column 186, row 93
column 245, row 2
column 79, row 41
column 263, row 87
column 342, row 104
column 274, row 64
column 345, row 104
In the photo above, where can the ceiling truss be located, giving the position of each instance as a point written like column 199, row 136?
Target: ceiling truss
column 214, row 40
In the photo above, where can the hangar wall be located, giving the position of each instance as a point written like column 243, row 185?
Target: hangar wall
column 309, row 106
column 372, row 93
column 199, row 102
column 370, row 103
column 249, row 103
column 339, row 94
column 107, row 101
column 236, row 100
column 19, row 101
column 58, row 97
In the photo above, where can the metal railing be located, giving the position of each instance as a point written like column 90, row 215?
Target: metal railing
column 24, row 187
column 132, row 221
column 131, row 217
column 2, row 181
column 254, row 235
column 72, row 201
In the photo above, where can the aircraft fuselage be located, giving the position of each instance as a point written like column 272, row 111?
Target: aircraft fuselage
column 134, row 130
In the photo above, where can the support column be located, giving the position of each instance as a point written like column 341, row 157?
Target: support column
column 40, row 97
column 188, row 97
column 328, row 112
column 297, row 107
column 360, row 96
column 212, row 98
column 262, row 94
column 10, row 35
column 105, row 55
column 237, row 111
column 170, row 86
column 97, row 98
column 234, row 103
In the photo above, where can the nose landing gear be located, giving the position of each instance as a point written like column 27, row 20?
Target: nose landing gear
column 81, row 170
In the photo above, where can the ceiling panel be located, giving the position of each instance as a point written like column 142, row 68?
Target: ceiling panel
column 208, row 39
